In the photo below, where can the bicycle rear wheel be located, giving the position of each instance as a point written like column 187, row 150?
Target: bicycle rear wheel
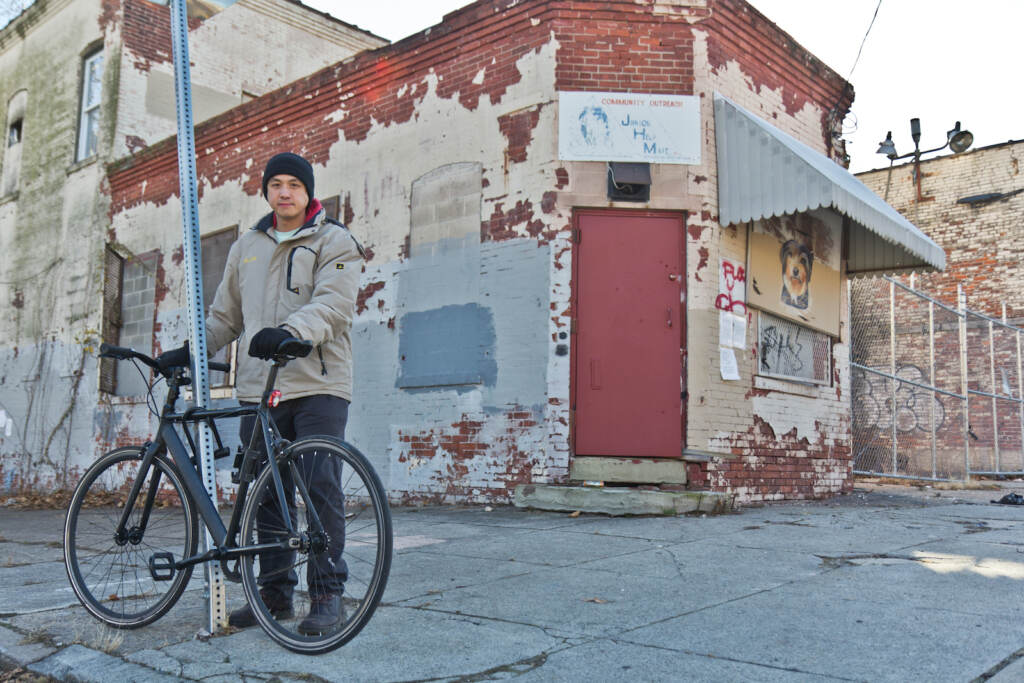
column 344, row 569
column 110, row 575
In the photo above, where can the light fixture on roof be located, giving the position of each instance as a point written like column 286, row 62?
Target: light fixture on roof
column 956, row 139
column 887, row 147
column 959, row 140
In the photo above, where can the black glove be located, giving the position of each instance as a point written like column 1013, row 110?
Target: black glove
column 265, row 342
column 175, row 358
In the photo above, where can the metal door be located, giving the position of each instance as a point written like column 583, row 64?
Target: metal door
column 629, row 332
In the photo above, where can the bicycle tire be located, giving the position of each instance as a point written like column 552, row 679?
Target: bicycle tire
column 364, row 555
column 113, row 580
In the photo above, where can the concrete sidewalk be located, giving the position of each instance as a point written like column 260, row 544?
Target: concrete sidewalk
column 890, row 583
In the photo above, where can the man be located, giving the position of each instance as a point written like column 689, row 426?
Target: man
column 295, row 274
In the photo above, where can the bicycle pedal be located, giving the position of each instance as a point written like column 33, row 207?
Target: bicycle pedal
column 161, row 566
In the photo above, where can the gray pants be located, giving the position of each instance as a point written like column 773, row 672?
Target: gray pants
column 326, row 571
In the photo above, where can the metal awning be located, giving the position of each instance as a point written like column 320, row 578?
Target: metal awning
column 763, row 172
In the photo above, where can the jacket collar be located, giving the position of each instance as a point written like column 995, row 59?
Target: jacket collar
column 315, row 216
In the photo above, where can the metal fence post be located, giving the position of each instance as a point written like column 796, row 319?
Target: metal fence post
column 961, row 303
column 892, row 370
column 931, row 381
column 1020, row 399
column 995, row 401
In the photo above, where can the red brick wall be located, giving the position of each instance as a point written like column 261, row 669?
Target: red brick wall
column 601, row 48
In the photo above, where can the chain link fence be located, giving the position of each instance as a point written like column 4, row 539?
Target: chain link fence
column 936, row 389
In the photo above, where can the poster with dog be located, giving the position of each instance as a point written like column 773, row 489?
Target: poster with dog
column 794, row 268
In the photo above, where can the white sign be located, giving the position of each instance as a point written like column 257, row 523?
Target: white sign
column 608, row 126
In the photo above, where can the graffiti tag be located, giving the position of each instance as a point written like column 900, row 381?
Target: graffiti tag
column 781, row 351
column 732, row 280
column 874, row 405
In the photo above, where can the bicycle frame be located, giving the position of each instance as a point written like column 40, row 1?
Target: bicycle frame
column 168, row 440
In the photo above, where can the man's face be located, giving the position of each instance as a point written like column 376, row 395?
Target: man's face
column 287, row 197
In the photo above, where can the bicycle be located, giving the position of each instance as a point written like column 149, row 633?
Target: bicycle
column 131, row 531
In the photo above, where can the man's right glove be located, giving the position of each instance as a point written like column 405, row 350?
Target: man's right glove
column 175, row 358
column 265, row 342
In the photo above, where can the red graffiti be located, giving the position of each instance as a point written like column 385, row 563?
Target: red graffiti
column 731, row 275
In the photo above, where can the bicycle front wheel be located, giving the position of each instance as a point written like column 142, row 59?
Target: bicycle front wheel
column 320, row 592
column 110, row 572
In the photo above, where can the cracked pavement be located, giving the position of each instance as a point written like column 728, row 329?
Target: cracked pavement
column 888, row 583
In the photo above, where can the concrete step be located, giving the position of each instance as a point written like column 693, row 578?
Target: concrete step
column 628, row 470
column 620, row 500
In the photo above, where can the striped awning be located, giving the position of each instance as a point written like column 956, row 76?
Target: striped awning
column 763, row 172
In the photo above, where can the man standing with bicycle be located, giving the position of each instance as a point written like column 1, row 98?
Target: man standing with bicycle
column 294, row 275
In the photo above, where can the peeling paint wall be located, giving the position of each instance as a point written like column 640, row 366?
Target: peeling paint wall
column 54, row 212
column 778, row 439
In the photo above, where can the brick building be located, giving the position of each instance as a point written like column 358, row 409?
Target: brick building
column 567, row 206
column 83, row 82
column 970, row 204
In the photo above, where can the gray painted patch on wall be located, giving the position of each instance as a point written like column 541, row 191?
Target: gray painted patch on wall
column 447, row 346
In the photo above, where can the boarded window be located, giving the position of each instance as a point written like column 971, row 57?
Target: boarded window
column 215, row 248
column 794, row 352
column 112, row 286
column 332, row 205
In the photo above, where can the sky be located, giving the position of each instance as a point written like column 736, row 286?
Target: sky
column 942, row 61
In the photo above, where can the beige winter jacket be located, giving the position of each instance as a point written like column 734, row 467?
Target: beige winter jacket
column 308, row 283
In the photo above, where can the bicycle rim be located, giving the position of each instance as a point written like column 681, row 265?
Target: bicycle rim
column 111, row 578
column 351, row 561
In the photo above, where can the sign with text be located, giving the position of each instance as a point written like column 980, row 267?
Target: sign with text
column 605, row 126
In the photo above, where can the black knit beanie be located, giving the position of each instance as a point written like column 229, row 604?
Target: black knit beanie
column 289, row 164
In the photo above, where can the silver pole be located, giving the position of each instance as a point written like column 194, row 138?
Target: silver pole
column 892, row 369
column 1020, row 398
column 931, row 379
column 194, row 280
column 961, row 302
column 992, row 380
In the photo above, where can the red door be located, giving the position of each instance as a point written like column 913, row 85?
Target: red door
column 627, row 372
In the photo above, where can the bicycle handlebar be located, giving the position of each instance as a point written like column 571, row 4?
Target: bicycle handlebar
column 124, row 353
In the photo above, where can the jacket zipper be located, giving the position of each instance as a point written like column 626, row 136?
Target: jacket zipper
column 323, row 366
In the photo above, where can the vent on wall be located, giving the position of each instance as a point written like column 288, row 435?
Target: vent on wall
column 629, row 182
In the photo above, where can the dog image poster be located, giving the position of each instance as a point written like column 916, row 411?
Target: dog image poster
column 794, row 268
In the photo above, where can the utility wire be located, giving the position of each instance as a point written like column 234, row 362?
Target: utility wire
column 857, row 58
column 864, row 40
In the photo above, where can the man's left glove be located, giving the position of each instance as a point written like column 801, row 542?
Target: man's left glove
column 175, row 358
column 265, row 342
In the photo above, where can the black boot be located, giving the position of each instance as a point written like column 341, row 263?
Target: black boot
column 280, row 608
column 326, row 613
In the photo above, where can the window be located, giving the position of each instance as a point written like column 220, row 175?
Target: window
column 790, row 351
column 12, row 155
column 14, row 133
column 113, row 276
column 89, row 121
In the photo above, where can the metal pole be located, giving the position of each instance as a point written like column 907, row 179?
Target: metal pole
column 1020, row 399
column 931, row 380
column 961, row 302
column 992, row 379
column 194, row 280
column 892, row 368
